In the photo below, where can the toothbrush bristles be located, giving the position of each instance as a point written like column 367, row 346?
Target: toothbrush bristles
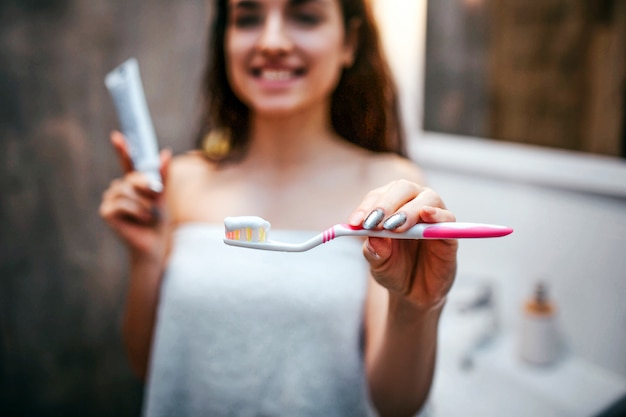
column 246, row 229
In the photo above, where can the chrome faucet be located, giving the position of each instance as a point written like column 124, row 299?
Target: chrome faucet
column 483, row 301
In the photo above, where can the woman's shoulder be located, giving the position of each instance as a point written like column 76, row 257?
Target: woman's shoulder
column 379, row 168
column 189, row 168
column 186, row 175
column 190, row 161
column 387, row 167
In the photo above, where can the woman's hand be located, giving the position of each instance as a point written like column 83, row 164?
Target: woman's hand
column 133, row 209
column 420, row 271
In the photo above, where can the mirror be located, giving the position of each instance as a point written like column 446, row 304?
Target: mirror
column 547, row 73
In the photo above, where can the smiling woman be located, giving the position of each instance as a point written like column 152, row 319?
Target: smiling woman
column 299, row 93
column 379, row 130
column 281, row 61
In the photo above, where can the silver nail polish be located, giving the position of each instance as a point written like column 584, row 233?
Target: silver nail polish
column 156, row 213
column 155, row 185
column 372, row 252
column 373, row 219
column 395, row 221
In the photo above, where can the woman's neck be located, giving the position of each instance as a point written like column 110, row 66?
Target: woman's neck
column 292, row 140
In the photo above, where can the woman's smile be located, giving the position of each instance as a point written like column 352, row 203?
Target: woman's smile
column 272, row 74
column 277, row 77
column 285, row 56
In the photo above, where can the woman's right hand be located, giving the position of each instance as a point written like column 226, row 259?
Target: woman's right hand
column 133, row 209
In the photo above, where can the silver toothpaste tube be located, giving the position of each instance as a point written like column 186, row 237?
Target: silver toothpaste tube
column 124, row 85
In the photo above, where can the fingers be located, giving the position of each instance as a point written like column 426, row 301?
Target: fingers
column 118, row 141
column 123, row 153
column 398, row 206
column 128, row 209
column 166, row 157
column 420, row 270
column 130, row 198
column 430, row 214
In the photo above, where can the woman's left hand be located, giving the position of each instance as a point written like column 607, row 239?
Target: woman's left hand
column 421, row 271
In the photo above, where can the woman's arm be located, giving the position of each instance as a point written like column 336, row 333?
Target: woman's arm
column 139, row 216
column 410, row 280
column 406, row 295
column 400, row 355
column 140, row 311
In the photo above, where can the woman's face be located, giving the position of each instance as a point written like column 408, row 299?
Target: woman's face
column 285, row 56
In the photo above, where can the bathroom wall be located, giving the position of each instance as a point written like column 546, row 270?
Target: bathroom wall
column 62, row 271
column 568, row 234
column 568, row 208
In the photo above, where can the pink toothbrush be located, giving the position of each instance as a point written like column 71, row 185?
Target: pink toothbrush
column 253, row 232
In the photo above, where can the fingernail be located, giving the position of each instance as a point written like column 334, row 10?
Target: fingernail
column 155, row 185
column 429, row 210
column 373, row 219
column 372, row 252
column 356, row 218
column 155, row 212
column 395, row 221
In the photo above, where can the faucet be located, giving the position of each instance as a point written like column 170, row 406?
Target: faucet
column 483, row 301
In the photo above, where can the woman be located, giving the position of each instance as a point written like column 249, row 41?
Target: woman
column 301, row 129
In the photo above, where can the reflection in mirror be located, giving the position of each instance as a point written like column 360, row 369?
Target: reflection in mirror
column 549, row 73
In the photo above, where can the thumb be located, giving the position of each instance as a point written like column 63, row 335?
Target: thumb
column 166, row 157
column 121, row 149
column 377, row 252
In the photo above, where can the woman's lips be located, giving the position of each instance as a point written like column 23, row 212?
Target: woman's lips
column 277, row 74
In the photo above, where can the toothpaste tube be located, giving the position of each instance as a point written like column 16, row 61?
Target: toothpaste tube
column 124, row 85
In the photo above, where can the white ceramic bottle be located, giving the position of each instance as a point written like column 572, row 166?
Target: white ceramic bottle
column 540, row 343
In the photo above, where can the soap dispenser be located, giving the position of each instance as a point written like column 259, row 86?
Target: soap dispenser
column 539, row 339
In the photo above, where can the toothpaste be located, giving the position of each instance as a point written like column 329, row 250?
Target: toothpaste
column 124, row 85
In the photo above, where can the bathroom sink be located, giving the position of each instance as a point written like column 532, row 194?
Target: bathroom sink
column 479, row 373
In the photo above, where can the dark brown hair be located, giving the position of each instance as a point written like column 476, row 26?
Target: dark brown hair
column 364, row 108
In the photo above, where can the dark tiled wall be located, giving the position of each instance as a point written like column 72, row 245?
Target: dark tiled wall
column 62, row 272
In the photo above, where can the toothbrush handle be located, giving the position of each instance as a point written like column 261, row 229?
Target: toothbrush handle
column 454, row 230
column 446, row 230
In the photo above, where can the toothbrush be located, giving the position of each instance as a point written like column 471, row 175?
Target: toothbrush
column 253, row 232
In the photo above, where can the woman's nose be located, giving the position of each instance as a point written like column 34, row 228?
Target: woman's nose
column 274, row 38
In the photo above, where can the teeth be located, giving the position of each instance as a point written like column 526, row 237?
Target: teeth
column 276, row 75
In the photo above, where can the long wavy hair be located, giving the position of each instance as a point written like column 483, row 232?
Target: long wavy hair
column 364, row 105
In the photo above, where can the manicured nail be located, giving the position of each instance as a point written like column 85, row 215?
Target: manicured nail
column 372, row 252
column 155, row 212
column 155, row 185
column 357, row 218
column 373, row 219
column 395, row 221
column 429, row 210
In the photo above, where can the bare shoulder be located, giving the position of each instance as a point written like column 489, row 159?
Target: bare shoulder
column 189, row 163
column 385, row 168
column 185, row 177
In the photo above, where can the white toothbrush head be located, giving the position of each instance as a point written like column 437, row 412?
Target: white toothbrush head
column 253, row 232
column 246, row 228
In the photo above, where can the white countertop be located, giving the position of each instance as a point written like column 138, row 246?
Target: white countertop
column 500, row 383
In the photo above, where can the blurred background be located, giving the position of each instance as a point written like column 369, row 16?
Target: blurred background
column 549, row 74
column 62, row 272
column 515, row 110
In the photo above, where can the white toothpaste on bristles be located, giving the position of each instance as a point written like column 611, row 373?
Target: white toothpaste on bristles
column 246, row 228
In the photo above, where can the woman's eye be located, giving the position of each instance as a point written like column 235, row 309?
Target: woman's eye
column 247, row 20
column 307, row 19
